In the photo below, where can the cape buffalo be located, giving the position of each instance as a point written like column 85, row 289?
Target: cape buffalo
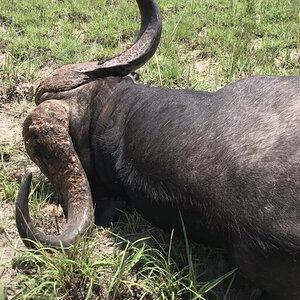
column 227, row 161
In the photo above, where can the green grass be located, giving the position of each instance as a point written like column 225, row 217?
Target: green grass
column 238, row 38
column 130, row 270
column 205, row 45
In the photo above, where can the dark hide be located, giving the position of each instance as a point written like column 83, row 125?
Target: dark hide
column 229, row 161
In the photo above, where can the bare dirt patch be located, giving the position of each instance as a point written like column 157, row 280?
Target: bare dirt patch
column 205, row 70
column 16, row 89
column 8, row 127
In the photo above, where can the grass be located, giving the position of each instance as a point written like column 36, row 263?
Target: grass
column 205, row 45
column 129, row 270
column 238, row 38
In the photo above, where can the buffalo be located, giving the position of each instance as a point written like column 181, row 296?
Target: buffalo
column 227, row 162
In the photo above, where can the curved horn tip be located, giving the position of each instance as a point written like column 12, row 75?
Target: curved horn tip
column 140, row 52
column 24, row 189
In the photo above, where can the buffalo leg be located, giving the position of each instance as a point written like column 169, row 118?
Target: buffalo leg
column 277, row 273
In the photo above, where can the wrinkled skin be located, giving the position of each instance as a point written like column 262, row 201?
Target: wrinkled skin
column 228, row 161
